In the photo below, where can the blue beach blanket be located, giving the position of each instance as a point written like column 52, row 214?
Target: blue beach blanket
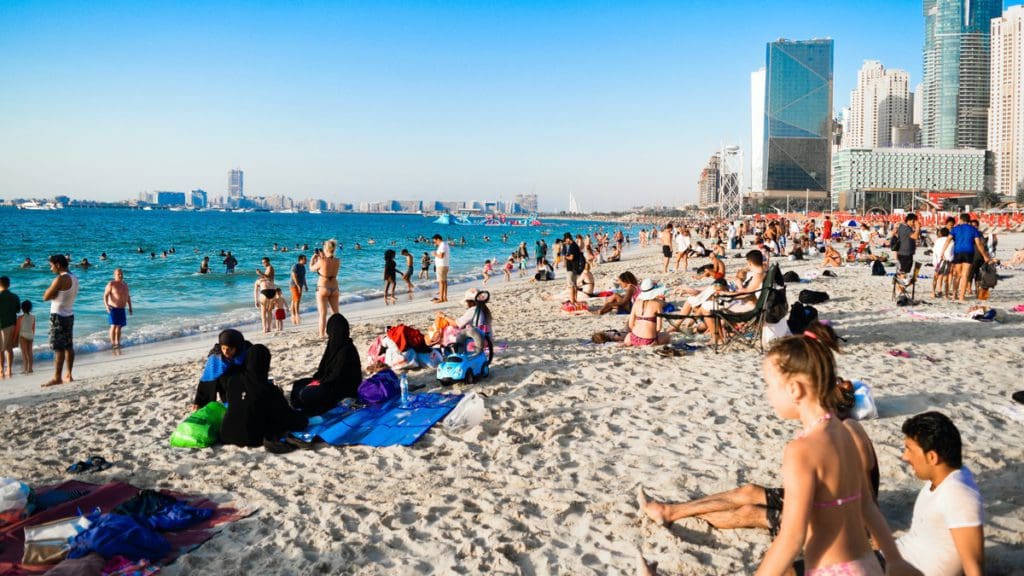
column 387, row 424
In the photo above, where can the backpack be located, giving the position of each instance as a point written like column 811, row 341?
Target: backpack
column 813, row 297
column 988, row 277
column 877, row 268
column 800, row 317
column 406, row 337
column 791, row 276
column 894, row 243
column 579, row 263
column 777, row 305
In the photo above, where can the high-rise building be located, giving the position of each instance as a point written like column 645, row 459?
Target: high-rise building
column 1006, row 115
column 757, row 131
column 527, row 202
column 879, row 103
column 797, row 116
column 956, row 72
column 168, row 198
column 236, row 188
column 197, row 198
column 708, row 183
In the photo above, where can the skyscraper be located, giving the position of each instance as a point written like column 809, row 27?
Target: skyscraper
column 956, row 72
column 879, row 103
column 798, row 115
column 757, row 131
column 236, row 188
column 1006, row 115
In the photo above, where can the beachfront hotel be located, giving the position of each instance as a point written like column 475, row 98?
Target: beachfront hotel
column 956, row 72
column 795, row 144
column 1006, row 113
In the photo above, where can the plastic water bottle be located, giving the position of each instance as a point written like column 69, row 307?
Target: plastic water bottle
column 404, row 385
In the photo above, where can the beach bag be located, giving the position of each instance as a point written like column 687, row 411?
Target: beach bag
column 379, row 387
column 777, row 305
column 877, row 268
column 376, row 350
column 201, row 429
column 800, row 317
column 115, row 534
column 573, row 308
column 406, row 337
column 467, row 413
column 396, row 359
column 864, row 407
column 988, row 276
column 15, row 499
column 437, row 330
column 812, row 297
column 791, row 277
column 50, row 543
column 773, row 331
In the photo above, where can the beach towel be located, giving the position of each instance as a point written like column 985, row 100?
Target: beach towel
column 66, row 499
column 387, row 424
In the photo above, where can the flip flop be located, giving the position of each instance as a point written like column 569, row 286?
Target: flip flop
column 98, row 463
column 899, row 353
column 79, row 467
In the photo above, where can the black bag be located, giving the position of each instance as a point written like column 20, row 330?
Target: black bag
column 800, row 317
column 813, row 297
column 791, row 276
column 877, row 268
column 894, row 243
column 777, row 304
column 988, row 276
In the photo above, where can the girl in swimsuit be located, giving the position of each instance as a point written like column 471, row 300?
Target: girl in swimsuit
column 828, row 498
column 326, row 265
column 644, row 322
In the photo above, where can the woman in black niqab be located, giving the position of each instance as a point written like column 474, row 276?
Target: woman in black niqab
column 257, row 409
column 226, row 357
column 338, row 375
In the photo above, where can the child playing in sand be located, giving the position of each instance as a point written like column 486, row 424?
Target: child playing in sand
column 509, row 266
column 828, row 503
column 488, row 270
column 390, row 276
column 26, row 330
column 280, row 312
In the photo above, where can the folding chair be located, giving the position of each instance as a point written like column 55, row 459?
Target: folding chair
column 745, row 327
column 901, row 284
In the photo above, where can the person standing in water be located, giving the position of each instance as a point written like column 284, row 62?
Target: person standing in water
column 117, row 300
column 407, row 275
column 298, row 286
column 327, row 291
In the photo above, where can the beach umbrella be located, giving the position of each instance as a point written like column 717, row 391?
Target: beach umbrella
column 852, row 223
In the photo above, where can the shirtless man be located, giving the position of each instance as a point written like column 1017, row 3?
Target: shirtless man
column 61, row 295
column 666, row 245
column 116, row 298
column 407, row 275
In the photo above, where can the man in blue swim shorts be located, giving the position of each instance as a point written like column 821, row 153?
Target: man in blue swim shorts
column 118, row 300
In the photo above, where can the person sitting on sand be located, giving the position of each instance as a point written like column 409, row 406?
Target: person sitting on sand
column 622, row 303
column 337, row 376
column 257, row 410
column 616, row 254
column 587, row 284
column 644, row 322
column 544, row 271
column 227, row 356
column 828, row 508
column 832, row 256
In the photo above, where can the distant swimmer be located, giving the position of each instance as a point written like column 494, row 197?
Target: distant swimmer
column 229, row 263
column 139, row 250
column 164, row 254
column 358, row 247
column 103, row 256
column 84, row 264
column 152, row 255
column 276, row 248
column 371, row 241
column 204, row 266
column 28, row 263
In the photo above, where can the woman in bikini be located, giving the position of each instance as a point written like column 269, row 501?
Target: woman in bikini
column 644, row 322
column 326, row 265
column 828, row 497
column 265, row 292
column 622, row 303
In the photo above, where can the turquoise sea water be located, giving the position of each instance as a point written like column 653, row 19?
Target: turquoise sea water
column 172, row 299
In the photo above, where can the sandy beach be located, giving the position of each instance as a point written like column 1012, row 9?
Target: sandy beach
column 545, row 485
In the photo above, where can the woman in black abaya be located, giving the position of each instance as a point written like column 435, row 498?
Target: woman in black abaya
column 257, row 409
column 337, row 377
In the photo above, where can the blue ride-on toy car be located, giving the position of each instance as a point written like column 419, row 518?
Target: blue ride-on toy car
column 460, row 364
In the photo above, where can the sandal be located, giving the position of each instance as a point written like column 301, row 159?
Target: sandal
column 93, row 464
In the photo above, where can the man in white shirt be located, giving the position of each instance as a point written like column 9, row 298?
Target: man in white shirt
column 946, row 536
column 683, row 243
column 441, row 263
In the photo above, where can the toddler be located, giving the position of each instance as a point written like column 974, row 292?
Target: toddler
column 280, row 312
column 488, row 270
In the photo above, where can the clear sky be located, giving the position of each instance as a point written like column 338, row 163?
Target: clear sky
column 618, row 102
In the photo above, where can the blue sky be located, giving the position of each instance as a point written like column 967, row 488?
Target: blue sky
column 620, row 103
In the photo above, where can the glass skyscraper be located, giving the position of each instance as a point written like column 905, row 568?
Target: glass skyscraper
column 798, row 115
column 956, row 72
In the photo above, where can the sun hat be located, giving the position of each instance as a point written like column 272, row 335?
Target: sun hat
column 649, row 290
column 471, row 295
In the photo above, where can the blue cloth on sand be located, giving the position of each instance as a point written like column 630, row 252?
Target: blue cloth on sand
column 387, row 424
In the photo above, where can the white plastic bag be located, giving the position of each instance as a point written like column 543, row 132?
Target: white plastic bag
column 13, row 494
column 775, row 331
column 468, row 413
column 864, row 407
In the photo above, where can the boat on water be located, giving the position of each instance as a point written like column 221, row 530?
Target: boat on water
column 33, row 205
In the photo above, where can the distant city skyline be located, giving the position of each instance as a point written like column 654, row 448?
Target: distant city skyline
column 620, row 105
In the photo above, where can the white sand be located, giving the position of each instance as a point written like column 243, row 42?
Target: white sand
column 546, row 484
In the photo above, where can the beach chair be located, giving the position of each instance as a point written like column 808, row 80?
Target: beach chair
column 745, row 328
column 900, row 284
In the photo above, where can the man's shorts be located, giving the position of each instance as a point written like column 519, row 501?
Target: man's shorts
column 773, row 509
column 963, row 258
column 571, row 277
column 296, row 293
column 666, row 251
column 62, row 330
column 7, row 338
column 117, row 317
column 442, row 273
column 906, row 262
